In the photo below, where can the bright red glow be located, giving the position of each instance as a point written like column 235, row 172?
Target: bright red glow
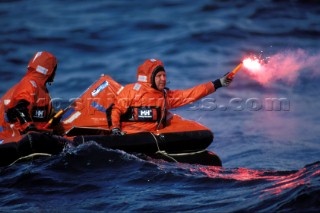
column 285, row 66
column 256, row 68
column 252, row 65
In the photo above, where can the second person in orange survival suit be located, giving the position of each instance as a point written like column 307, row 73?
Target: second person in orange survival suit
column 27, row 105
column 143, row 106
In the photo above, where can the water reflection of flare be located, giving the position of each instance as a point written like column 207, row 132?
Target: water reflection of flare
column 279, row 182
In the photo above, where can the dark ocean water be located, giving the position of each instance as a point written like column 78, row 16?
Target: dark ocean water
column 270, row 155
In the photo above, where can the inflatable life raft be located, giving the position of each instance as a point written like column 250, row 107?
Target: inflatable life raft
column 84, row 120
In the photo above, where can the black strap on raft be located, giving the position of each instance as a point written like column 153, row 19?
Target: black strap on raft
column 108, row 113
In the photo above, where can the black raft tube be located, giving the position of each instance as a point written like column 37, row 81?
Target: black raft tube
column 33, row 142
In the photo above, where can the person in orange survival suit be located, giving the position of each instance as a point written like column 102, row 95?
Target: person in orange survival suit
column 27, row 105
column 143, row 106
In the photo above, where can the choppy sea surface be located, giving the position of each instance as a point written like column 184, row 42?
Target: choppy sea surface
column 270, row 153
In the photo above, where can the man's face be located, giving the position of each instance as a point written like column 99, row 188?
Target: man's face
column 160, row 80
column 51, row 78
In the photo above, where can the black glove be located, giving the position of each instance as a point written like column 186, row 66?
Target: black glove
column 58, row 129
column 19, row 113
column 223, row 82
column 117, row 132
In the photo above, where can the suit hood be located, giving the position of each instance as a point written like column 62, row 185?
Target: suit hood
column 148, row 70
column 42, row 65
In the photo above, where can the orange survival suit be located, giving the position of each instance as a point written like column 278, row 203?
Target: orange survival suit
column 27, row 105
column 141, row 107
